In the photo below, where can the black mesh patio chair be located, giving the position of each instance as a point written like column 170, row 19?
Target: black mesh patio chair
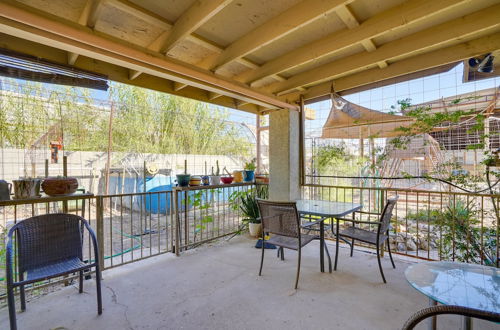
column 48, row 246
column 377, row 238
column 282, row 220
column 425, row 313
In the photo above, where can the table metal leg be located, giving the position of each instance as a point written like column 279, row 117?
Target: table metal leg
column 337, row 244
column 433, row 319
column 467, row 323
column 322, row 246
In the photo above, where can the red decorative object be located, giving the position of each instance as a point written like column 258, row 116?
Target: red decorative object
column 227, row 179
column 60, row 186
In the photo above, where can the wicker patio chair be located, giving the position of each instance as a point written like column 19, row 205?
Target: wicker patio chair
column 449, row 309
column 377, row 238
column 281, row 219
column 48, row 246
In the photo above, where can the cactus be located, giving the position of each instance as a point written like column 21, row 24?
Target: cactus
column 218, row 169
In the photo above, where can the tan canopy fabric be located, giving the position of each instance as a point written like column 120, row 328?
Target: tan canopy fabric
column 351, row 121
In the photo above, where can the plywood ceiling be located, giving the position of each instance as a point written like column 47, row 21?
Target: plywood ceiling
column 254, row 55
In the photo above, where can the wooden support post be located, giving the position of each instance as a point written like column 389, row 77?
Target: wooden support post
column 301, row 142
column 257, row 142
column 100, row 229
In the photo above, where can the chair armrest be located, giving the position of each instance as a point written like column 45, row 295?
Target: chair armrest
column 94, row 240
column 372, row 213
column 449, row 309
column 360, row 221
column 8, row 256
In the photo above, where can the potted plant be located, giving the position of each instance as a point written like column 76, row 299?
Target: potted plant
column 251, row 214
column 215, row 177
column 249, row 172
column 183, row 179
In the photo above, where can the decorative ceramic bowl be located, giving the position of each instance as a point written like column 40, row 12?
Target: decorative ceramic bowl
column 59, row 186
column 227, row 179
column 195, row 181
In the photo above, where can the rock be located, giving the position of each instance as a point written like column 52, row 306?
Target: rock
column 410, row 244
column 401, row 247
column 424, row 244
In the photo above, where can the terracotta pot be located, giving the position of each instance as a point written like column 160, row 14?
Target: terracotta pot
column 60, row 186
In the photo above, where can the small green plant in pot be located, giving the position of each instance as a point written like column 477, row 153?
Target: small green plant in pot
column 251, row 214
column 249, row 172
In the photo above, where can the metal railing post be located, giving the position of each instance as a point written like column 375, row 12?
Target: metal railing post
column 177, row 222
column 100, row 229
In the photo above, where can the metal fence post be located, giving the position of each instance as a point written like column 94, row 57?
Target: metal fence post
column 100, row 229
column 177, row 222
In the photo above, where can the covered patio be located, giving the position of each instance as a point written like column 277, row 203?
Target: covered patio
column 177, row 268
column 218, row 288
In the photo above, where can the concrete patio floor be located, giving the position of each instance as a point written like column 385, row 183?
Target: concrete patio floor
column 217, row 287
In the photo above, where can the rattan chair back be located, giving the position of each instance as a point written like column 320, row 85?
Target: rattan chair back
column 49, row 238
column 280, row 218
column 386, row 216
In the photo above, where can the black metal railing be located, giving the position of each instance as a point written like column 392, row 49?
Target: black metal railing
column 433, row 225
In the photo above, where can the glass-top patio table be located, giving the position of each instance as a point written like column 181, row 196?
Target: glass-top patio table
column 325, row 210
column 460, row 284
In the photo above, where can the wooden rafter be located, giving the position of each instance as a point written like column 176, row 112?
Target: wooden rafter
column 88, row 17
column 285, row 23
column 436, row 58
column 347, row 16
column 394, row 18
column 35, row 26
column 454, row 30
column 199, row 13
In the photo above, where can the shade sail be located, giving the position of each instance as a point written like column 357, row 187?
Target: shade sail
column 351, row 121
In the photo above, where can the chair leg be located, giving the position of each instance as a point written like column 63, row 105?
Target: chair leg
column 380, row 264
column 262, row 258
column 98, row 286
column 298, row 270
column 12, row 307
column 282, row 253
column 80, row 286
column 22, row 294
column 352, row 247
column 390, row 254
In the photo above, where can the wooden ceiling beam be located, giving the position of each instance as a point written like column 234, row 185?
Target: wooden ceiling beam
column 195, row 16
column 41, row 27
column 433, row 59
column 88, row 17
column 391, row 19
column 480, row 22
column 283, row 24
column 350, row 20
column 160, row 22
